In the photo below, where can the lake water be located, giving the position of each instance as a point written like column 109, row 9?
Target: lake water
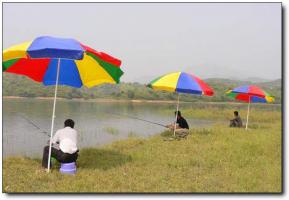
column 97, row 123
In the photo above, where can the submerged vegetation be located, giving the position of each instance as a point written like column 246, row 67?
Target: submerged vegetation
column 211, row 159
column 111, row 130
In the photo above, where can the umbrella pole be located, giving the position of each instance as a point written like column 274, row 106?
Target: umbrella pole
column 248, row 112
column 176, row 115
column 53, row 114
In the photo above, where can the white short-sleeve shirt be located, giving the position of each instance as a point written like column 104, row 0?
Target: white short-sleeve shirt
column 67, row 138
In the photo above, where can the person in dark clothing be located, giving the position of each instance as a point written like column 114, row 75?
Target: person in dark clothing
column 66, row 151
column 182, row 127
column 182, row 123
column 237, row 121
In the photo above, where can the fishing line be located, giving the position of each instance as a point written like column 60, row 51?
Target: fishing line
column 33, row 124
column 144, row 120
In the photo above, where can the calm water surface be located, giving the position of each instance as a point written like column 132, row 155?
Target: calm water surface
column 97, row 123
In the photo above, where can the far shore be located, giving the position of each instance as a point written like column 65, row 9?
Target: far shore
column 108, row 100
column 103, row 100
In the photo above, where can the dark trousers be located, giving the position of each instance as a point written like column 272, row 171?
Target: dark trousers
column 234, row 123
column 58, row 155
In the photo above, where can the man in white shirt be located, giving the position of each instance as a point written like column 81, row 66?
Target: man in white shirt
column 67, row 140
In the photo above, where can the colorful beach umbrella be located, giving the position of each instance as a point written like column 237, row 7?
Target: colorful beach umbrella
column 80, row 64
column 181, row 82
column 250, row 94
column 61, row 61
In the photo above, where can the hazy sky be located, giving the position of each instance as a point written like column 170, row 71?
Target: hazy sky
column 224, row 40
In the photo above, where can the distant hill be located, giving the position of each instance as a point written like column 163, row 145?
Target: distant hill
column 272, row 84
column 256, row 80
column 14, row 85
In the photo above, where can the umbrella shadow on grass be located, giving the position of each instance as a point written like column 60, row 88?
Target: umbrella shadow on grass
column 101, row 159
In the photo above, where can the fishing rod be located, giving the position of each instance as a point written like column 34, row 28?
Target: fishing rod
column 33, row 124
column 144, row 120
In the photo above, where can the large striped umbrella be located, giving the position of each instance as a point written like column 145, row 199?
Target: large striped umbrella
column 181, row 82
column 250, row 94
column 61, row 61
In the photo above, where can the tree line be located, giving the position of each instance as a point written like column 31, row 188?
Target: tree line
column 14, row 85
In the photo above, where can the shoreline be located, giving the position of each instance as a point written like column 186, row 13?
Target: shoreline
column 130, row 159
column 102, row 100
column 109, row 100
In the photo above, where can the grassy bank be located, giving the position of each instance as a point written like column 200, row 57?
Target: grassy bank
column 214, row 159
column 257, row 115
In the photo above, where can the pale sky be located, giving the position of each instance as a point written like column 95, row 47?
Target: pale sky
column 210, row 40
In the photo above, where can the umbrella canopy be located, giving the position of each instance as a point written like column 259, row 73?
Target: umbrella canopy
column 181, row 82
column 61, row 61
column 250, row 93
column 80, row 64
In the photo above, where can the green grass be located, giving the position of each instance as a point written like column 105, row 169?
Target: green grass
column 212, row 159
column 213, row 113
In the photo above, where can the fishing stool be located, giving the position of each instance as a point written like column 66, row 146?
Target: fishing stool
column 68, row 168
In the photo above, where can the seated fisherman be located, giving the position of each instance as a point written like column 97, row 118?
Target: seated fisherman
column 182, row 127
column 67, row 151
column 237, row 121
